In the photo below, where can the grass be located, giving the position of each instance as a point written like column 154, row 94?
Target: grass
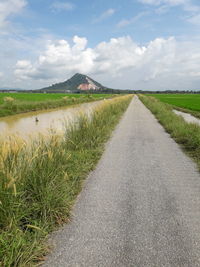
column 185, row 134
column 14, row 103
column 39, row 182
column 184, row 102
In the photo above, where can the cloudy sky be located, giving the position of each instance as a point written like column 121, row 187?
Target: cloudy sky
column 136, row 44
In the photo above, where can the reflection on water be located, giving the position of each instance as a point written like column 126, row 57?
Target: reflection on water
column 187, row 117
column 41, row 122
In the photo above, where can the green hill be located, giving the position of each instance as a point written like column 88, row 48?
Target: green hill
column 77, row 82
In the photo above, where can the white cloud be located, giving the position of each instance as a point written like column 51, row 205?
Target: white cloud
column 79, row 43
column 1, row 74
column 58, row 59
column 126, row 22
column 23, row 64
column 162, row 63
column 24, row 69
column 106, row 14
column 117, row 54
column 9, row 7
column 58, row 6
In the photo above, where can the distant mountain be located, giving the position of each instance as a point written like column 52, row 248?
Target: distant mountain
column 78, row 82
column 10, row 89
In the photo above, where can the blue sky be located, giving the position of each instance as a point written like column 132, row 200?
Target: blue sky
column 139, row 44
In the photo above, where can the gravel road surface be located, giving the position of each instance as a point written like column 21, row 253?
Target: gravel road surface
column 140, row 207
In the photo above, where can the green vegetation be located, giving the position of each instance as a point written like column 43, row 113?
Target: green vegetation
column 186, row 134
column 184, row 102
column 71, row 84
column 39, row 182
column 13, row 103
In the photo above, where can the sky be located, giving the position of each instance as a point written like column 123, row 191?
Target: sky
column 124, row 44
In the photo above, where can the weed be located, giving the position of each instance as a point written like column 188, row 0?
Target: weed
column 186, row 134
column 39, row 182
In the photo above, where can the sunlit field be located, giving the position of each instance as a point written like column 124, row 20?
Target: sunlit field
column 42, row 97
column 14, row 103
column 186, row 101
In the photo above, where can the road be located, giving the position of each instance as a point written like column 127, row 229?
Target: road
column 140, row 207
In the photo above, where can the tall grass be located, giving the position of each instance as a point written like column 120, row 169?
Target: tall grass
column 186, row 134
column 39, row 182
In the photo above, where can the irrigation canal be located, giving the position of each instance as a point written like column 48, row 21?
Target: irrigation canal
column 31, row 124
column 187, row 117
column 141, row 205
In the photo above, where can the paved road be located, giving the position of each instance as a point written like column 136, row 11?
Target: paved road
column 140, row 207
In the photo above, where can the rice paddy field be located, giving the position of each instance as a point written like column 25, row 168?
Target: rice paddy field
column 14, row 103
column 182, row 101
column 42, row 97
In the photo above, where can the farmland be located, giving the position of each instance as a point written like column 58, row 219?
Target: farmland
column 182, row 101
column 14, row 103
column 33, row 97
column 186, row 134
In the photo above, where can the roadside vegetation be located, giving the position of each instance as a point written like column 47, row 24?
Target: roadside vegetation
column 39, row 182
column 186, row 134
column 14, row 103
column 189, row 103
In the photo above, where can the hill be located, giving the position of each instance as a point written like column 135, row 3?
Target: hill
column 78, row 82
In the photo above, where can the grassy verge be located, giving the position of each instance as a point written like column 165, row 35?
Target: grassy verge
column 189, row 103
column 39, row 182
column 11, row 105
column 186, row 134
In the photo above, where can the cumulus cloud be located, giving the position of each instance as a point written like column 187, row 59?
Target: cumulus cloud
column 24, row 69
column 58, row 59
column 106, row 14
column 120, row 62
column 58, row 6
column 9, row 7
column 1, row 74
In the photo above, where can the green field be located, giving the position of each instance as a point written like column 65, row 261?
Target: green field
column 14, row 103
column 184, row 101
column 43, row 97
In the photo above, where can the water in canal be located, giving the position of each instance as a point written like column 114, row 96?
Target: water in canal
column 31, row 124
column 187, row 117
